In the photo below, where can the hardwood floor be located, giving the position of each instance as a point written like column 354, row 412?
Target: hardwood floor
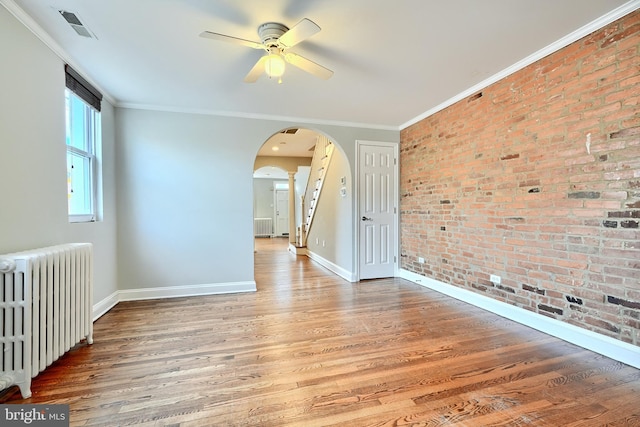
column 310, row 349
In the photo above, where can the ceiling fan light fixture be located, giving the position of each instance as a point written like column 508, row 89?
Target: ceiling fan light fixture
column 274, row 65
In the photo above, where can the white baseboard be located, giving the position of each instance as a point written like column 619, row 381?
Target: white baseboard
column 186, row 291
column 108, row 303
column 336, row 269
column 101, row 307
column 598, row 343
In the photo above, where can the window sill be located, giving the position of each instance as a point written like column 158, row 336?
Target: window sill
column 81, row 218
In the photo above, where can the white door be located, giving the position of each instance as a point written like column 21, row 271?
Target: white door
column 376, row 209
column 282, row 212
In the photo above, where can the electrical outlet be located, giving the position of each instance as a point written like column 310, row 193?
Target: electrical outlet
column 421, row 260
column 495, row 279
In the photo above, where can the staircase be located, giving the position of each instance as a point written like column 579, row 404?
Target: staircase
column 319, row 164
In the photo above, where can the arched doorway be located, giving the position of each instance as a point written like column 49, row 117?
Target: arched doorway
column 331, row 235
column 282, row 161
column 271, row 202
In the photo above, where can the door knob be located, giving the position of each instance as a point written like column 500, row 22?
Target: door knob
column 364, row 218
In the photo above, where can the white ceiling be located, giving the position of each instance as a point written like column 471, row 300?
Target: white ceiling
column 292, row 142
column 286, row 144
column 393, row 61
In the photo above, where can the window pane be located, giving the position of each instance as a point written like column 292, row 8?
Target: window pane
column 77, row 124
column 79, row 184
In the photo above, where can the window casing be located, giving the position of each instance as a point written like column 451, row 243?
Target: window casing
column 83, row 131
column 83, row 105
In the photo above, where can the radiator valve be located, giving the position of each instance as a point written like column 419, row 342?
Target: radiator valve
column 7, row 265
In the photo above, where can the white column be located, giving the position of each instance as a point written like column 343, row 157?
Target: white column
column 292, row 208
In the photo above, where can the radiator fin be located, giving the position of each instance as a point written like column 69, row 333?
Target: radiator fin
column 46, row 301
column 263, row 227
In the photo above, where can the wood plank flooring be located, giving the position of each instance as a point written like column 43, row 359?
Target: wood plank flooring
column 310, row 349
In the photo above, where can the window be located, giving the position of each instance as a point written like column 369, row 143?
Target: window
column 281, row 185
column 83, row 133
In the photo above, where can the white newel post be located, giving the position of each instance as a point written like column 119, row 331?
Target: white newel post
column 292, row 209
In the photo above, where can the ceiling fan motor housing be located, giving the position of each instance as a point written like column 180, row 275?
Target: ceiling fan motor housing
column 270, row 32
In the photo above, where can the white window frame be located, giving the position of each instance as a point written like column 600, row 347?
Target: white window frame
column 92, row 133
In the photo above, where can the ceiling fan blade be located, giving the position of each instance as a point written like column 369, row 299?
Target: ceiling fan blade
column 256, row 71
column 299, row 32
column 224, row 38
column 308, row 66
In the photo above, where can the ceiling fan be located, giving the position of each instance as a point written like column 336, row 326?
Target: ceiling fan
column 276, row 40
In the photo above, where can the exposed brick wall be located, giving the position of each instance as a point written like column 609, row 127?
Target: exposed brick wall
column 537, row 179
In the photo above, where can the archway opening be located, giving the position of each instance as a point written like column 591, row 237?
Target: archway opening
column 321, row 197
column 280, row 167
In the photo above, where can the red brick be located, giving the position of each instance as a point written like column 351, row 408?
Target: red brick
column 529, row 131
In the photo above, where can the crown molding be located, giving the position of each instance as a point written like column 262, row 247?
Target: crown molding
column 45, row 38
column 595, row 25
column 255, row 116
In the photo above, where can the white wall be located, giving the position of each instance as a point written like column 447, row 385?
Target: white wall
column 300, row 183
column 185, row 195
column 332, row 232
column 33, row 192
column 181, row 192
column 263, row 198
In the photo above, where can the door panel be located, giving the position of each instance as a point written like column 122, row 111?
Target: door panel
column 376, row 211
column 282, row 212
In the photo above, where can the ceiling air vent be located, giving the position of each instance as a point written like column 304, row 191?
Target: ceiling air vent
column 290, row 131
column 73, row 20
